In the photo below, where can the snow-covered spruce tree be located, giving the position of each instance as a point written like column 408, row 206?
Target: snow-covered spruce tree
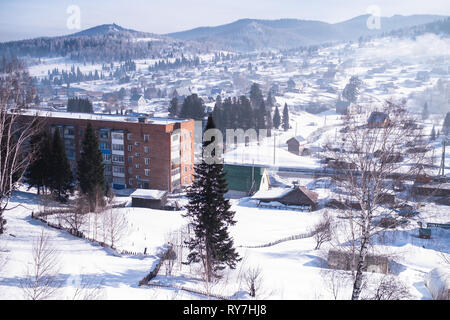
column 61, row 175
column 90, row 169
column 276, row 118
column 210, row 216
column 285, row 119
column 38, row 173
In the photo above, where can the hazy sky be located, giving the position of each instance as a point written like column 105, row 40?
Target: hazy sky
column 21, row 19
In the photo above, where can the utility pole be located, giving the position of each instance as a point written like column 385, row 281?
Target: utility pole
column 442, row 167
column 274, row 144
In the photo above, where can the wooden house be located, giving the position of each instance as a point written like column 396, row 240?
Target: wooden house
column 296, row 196
column 295, row 144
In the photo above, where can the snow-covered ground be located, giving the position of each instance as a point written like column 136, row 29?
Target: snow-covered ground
column 290, row 270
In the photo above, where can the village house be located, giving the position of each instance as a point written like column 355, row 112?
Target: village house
column 296, row 196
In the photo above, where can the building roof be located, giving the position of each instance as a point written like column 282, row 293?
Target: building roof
column 99, row 116
column 276, row 194
column 298, row 139
column 151, row 194
column 377, row 117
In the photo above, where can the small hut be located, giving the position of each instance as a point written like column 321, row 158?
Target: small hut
column 149, row 198
column 344, row 260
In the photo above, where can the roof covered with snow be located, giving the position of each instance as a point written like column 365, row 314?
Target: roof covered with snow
column 100, row 116
column 152, row 194
column 273, row 193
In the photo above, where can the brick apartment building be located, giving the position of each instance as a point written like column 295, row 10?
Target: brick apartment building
column 138, row 151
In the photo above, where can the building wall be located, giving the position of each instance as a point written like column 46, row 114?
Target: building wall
column 140, row 141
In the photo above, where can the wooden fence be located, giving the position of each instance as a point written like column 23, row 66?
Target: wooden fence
column 294, row 237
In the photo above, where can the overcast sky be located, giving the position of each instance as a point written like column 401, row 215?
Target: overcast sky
column 21, row 19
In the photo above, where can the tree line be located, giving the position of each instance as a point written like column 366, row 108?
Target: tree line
column 254, row 112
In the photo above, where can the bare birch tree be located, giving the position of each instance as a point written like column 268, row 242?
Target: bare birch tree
column 115, row 225
column 16, row 92
column 41, row 281
column 366, row 158
column 323, row 230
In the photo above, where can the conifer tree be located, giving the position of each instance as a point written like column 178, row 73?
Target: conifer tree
column 173, row 107
column 61, row 177
column 210, row 215
column 256, row 97
column 90, row 168
column 433, row 134
column 39, row 171
column 276, row 118
column 285, row 117
column 261, row 116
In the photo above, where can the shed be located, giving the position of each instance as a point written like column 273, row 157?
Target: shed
column 378, row 119
column 343, row 260
column 149, row 198
column 296, row 196
column 245, row 180
column 294, row 144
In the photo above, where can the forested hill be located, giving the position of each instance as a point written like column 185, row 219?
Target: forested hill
column 104, row 43
column 254, row 34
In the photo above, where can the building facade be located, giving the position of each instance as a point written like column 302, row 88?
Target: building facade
column 138, row 152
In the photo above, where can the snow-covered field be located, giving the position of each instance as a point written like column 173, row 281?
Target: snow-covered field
column 290, row 270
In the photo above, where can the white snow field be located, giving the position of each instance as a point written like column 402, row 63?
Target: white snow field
column 290, row 270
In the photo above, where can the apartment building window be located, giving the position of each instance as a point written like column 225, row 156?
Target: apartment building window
column 118, row 158
column 130, row 159
column 185, row 180
column 130, row 147
column 147, row 172
column 137, row 144
column 130, row 170
column 129, row 136
column 117, row 136
column 104, row 145
column 146, row 149
column 118, row 169
column 138, row 165
column 137, row 154
column 146, row 137
column 103, row 134
column 185, row 169
column 69, row 131
column 175, row 137
column 106, row 157
column 117, row 147
column 147, row 161
column 138, row 177
column 130, row 182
